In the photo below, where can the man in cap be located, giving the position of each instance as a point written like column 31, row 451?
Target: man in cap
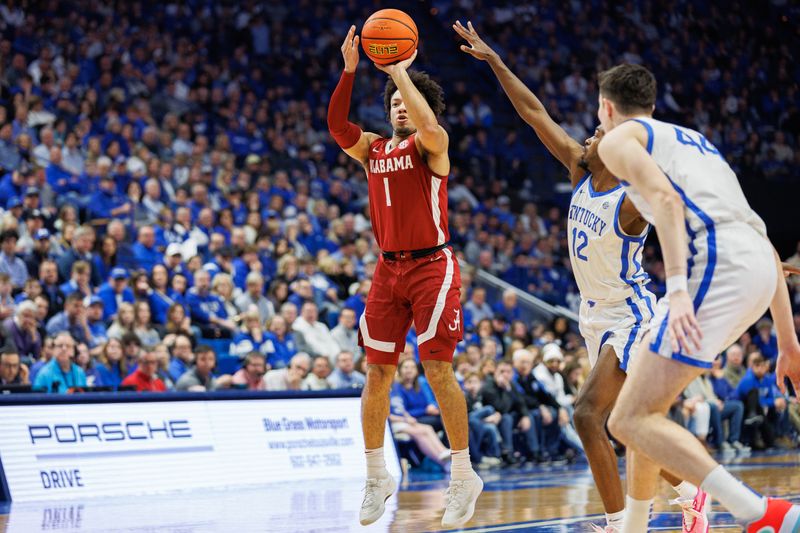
column 94, row 317
column 40, row 251
column 114, row 292
column 106, row 203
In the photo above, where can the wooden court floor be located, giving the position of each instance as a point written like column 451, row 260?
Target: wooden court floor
column 541, row 499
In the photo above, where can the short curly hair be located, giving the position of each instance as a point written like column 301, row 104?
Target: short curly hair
column 431, row 91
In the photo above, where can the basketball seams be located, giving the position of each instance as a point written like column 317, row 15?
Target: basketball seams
column 413, row 30
column 394, row 21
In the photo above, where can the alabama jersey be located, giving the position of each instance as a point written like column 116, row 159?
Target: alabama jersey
column 607, row 263
column 407, row 201
column 731, row 269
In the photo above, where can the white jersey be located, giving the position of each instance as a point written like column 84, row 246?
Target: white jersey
column 730, row 268
column 606, row 262
column 709, row 187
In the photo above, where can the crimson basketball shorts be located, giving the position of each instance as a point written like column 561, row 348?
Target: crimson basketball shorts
column 422, row 291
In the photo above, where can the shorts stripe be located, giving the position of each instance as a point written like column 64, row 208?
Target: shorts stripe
column 436, row 184
column 369, row 342
column 655, row 346
column 634, row 333
column 440, row 300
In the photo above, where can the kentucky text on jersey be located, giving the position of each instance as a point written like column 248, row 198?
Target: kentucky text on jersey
column 587, row 218
column 391, row 164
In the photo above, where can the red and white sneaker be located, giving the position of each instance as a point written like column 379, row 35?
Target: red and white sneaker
column 780, row 517
column 607, row 529
column 695, row 512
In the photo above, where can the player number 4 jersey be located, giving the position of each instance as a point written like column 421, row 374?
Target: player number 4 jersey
column 407, row 200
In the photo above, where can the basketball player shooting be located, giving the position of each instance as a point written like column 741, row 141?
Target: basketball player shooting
column 417, row 278
column 606, row 235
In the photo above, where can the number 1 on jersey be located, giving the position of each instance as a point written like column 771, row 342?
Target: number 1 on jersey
column 386, row 189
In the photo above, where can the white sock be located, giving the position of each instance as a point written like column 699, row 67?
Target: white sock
column 615, row 519
column 685, row 490
column 637, row 515
column 744, row 504
column 376, row 465
column 460, row 465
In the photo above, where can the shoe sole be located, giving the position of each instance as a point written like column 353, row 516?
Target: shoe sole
column 470, row 510
column 372, row 520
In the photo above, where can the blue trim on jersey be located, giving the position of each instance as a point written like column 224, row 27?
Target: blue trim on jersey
column 692, row 250
column 634, row 332
column 656, row 344
column 638, row 290
column 618, row 228
column 689, row 360
column 595, row 194
column 607, row 335
column 650, row 134
column 711, row 241
column 580, row 183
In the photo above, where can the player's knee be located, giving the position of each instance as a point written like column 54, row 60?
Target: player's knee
column 587, row 417
column 380, row 376
column 438, row 373
column 620, row 424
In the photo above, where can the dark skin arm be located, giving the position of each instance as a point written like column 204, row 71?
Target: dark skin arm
column 564, row 148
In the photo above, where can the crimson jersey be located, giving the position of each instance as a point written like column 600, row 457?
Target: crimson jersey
column 407, row 200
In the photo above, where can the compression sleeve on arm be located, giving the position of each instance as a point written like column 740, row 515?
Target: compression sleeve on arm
column 344, row 132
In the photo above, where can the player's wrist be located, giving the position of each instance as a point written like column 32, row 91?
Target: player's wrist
column 677, row 283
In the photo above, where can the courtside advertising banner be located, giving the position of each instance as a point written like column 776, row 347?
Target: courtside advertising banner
column 62, row 451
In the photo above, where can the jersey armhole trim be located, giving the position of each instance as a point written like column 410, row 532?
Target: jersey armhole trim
column 618, row 229
column 650, row 134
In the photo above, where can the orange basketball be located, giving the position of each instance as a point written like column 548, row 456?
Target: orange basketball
column 388, row 36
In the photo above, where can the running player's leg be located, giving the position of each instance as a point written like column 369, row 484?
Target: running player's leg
column 639, row 420
column 592, row 408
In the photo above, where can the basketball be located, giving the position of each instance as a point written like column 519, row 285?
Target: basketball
column 388, row 36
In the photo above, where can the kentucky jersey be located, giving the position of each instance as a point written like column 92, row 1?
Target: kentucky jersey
column 407, row 200
column 707, row 184
column 731, row 269
column 606, row 262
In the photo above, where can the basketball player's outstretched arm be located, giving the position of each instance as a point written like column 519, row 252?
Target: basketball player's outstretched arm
column 788, row 348
column 347, row 135
column 529, row 107
column 623, row 153
column 430, row 135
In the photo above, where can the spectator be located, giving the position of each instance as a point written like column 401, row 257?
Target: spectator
column 508, row 308
column 162, row 355
column 9, row 262
column 758, row 392
column 291, row 377
column 207, row 309
column 48, row 276
column 483, row 422
column 61, row 373
column 81, row 250
column 73, row 320
column 476, row 309
column 312, row 335
column 124, row 322
column 23, row 332
column 548, row 374
column 766, row 341
column 158, row 297
column 114, row 292
column 142, row 325
column 251, row 375
column 345, row 333
column 145, row 378
column 222, row 286
column 499, row 393
column 40, row 252
column 183, row 357
column 112, row 368
column 200, row 378
column 12, row 371
column 254, row 297
column 79, row 281
column 251, row 337
column 317, row 378
column 727, row 393
column 94, row 318
column 734, row 365
column 345, row 376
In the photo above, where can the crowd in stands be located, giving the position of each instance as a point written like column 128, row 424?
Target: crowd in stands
column 171, row 201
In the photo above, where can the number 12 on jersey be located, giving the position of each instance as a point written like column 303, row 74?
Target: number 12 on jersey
column 386, row 189
column 578, row 247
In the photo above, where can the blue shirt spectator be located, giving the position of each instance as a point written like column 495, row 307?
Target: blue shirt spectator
column 61, row 373
column 114, row 292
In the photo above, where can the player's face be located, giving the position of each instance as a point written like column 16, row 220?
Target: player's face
column 398, row 117
column 590, row 160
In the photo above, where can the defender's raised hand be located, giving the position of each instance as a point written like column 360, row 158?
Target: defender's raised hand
column 350, row 50
column 477, row 48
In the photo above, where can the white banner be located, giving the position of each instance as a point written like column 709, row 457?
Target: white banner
column 83, row 450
